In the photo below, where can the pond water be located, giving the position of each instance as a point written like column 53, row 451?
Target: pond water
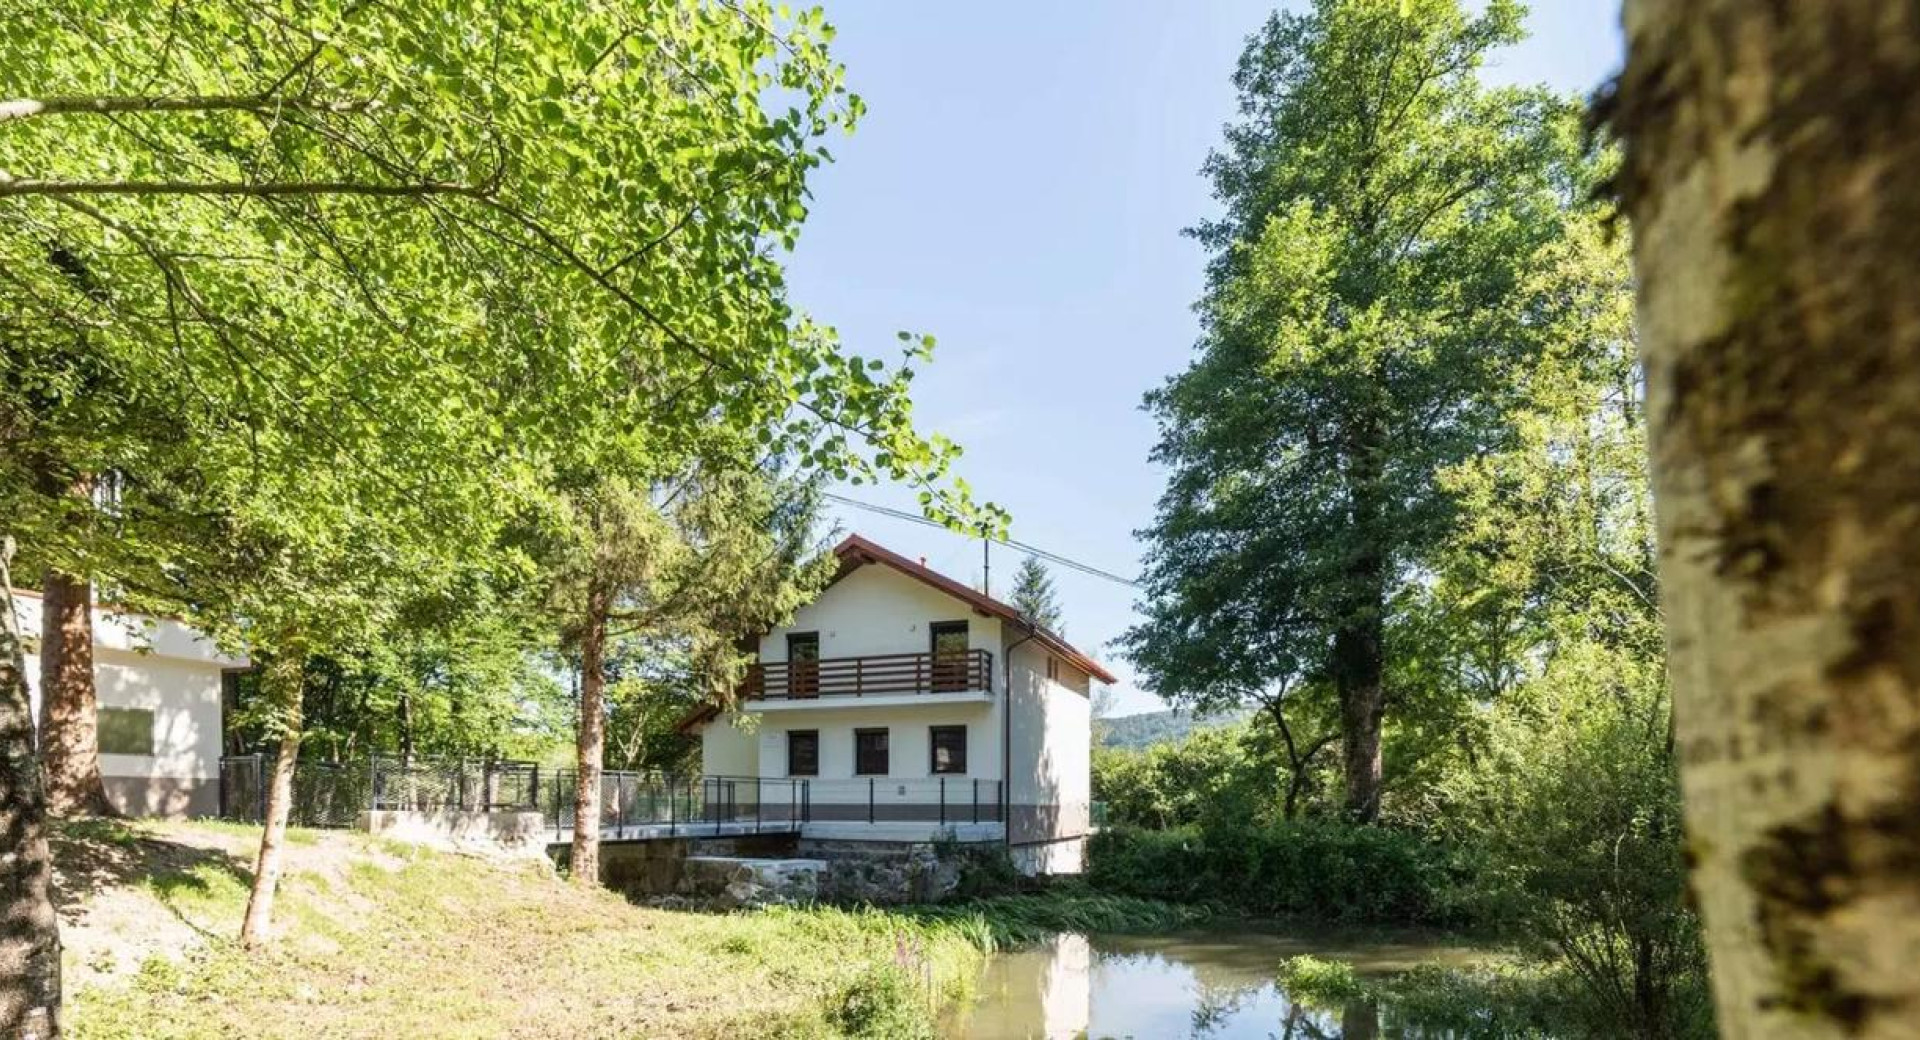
column 1217, row 984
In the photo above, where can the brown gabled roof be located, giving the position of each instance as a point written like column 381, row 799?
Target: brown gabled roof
column 856, row 552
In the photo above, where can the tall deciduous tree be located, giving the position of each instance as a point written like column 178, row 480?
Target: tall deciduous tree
column 1773, row 178
column 1034, row 594
column 1364, row 302
column 359, row 277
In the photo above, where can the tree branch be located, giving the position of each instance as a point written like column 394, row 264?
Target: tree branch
column 11, row 186
column 29, row 108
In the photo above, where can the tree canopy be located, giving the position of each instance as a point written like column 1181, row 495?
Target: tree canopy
column 1366, row 309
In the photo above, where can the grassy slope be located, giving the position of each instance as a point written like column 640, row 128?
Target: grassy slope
column 380, row 939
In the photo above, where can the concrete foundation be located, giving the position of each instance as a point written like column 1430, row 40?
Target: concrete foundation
column 521, row 833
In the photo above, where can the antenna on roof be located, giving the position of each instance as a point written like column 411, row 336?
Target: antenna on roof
column 986, row 563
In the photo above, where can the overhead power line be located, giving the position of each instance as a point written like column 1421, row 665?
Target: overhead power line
column 1030, row 550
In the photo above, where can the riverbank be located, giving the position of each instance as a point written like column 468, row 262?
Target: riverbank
column 382, row 939
column 379, row 938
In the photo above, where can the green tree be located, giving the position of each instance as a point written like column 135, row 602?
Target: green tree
column 1365, row 302
column 691, row 560
column 1034, row 595
column 354, row 280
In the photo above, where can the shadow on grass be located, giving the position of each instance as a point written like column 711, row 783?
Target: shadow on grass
column 94, row 855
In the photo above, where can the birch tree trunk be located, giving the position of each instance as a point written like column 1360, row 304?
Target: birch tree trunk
column 281, row 681
column 69, row 703
column 592, row 739
column 30, row 935
column 1773, row 180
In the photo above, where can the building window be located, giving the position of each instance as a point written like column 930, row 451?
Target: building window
column 949, row 749
column 870, row 752
column 950, row 645
column 126, row 731
column 803, row 664
column 1053, row 668
column 803, row 752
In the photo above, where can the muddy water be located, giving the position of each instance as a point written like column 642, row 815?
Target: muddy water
column 1217, row 984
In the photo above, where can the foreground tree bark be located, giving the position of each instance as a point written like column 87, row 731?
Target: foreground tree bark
column 592, row 738
column 30, row 935
column 281, row 681
column 1772, row 176
column 69, row 703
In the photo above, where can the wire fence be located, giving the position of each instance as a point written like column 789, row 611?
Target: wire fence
column 334, row 794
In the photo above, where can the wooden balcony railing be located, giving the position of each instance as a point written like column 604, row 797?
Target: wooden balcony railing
column 874, row 674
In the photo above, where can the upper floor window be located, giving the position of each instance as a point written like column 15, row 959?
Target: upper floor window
column 950, row 645
column 870, row 752
column 1053, row 668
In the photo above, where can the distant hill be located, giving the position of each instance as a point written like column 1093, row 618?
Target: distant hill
column 1156, row 727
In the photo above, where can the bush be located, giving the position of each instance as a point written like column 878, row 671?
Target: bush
column 883, row 1003
column 1326, row 869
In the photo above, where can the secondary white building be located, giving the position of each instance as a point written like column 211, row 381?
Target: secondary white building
column 159, row 685
column 915, row 707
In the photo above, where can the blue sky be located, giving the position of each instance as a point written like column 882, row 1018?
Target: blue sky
column 1018, row 190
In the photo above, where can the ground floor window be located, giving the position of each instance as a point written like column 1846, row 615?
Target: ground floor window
column 949, row 749
column 803, row 752
column 126, row 731
column 870, row 752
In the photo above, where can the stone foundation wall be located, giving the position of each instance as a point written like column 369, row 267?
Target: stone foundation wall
column 729, row 882
column 887, row 873
column 640, row 869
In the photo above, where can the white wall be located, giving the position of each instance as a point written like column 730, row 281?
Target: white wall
column 726, row 749
column 909, row 751
column 1051, row 781
column 157, row 664
column 878, row 610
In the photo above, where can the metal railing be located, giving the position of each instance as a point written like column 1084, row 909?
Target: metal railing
column 872, row 674
column 334, row 794
column 634, row 805
column 881, row 799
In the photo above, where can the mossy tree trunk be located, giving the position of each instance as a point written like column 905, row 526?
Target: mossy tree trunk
column 30, row 935
column 1772, row 176
column 69, row 703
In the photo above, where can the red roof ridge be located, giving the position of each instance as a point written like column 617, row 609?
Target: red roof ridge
column 856, row 550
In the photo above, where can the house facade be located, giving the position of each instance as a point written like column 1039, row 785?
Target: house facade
column 917, row 708
column 159, row 685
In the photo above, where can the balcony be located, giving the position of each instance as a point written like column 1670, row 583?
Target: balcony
column 874, row 679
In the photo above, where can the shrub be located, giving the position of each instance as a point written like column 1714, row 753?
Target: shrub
column 1318, row 868
column 883, row 1003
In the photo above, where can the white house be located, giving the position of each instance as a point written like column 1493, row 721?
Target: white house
column 915, row 708
column 159, row 685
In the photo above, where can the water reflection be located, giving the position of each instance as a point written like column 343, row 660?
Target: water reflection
column 1217, row 985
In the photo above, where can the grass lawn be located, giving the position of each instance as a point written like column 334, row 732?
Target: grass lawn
column 376, row 938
